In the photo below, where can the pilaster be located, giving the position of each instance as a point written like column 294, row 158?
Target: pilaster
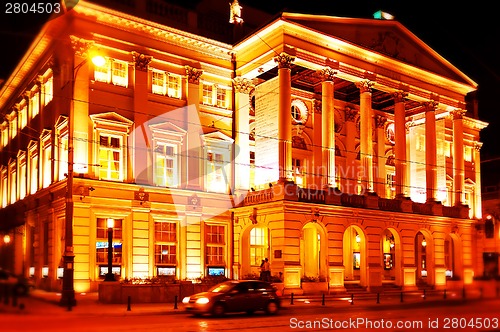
column 430, row 150
column 366, row 133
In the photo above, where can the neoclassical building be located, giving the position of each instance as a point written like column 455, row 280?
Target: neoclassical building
column 344, row 150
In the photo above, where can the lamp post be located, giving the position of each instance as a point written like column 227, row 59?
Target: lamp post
column 110, row 276
column 68, row 290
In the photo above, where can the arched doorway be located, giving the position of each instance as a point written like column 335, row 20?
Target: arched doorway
column 354, row 254
column 424, row 259
column 255, row 247
column 390, row 245
column 452, row 257
column 313, row 248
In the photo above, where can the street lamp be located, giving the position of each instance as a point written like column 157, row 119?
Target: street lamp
column 68, row 290
column 110, row 276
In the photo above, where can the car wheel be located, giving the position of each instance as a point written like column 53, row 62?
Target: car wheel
column 250, row 312
column 21, row 290
column 218, row 309
column 272, row 308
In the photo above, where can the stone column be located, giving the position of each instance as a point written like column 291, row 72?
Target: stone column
column 400, row 144
column 477, row 171
column 430, row 150
column 328, row 125
column 366, row 133
column 194, row 130
column 380, row 122
column 142, row 158
column 317, row 144
column 350, row 171
column 458, row 155
column 285, row 61
column 242, row 88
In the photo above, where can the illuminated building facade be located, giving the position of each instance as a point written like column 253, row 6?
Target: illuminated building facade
column 344, row 150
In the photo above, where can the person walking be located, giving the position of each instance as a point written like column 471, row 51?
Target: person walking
column 267, row 270
column 262, row 273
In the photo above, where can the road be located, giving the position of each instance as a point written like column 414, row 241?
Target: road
column 471, row 316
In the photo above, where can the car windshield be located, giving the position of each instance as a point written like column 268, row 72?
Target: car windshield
column 222, row 288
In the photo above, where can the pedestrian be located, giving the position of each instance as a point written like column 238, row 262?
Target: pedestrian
column 267, row 270
column 262, row 273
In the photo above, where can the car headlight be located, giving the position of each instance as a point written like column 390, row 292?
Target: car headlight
column 185, row 300
column 202, row 300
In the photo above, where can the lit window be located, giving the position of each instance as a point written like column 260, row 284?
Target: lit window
column 13, row 182
column 207, row 94
column 110, row 157
column 166, row 170
column 158, row 81
column 113, row 71
column 23, row 116
column 258, row 245
column 48, row 90
column 47, row 164
column 63, row 155
column 390, row 185
column 215, row 172
column 420, row 143
column 166, row 84
column 33, row 163
column 468, row 153
column 102, row 241
column 13, row 128
column 217, row 166
column 165, row 243
column 214, row 95
column 298, row 172
column 221, row 98
column 174, row 86
column 22, row 176
column 35, row 104
column 5, row 137
column 214, row 235
column 447, row 149
column 4, row 187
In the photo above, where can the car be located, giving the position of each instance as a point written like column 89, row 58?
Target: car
column 20, row 284
column 235, row 296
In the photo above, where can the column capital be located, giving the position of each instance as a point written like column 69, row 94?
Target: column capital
column 458, row 114
column 350, row 114
column 141, row 60
column 243, row 85
column 80, row 45
column 430, row 105
column 380, row 121
column 284, row 60
column 478, row 146
column 365, row 85
column 193, row 74
column 399, row 96
column 326, row 74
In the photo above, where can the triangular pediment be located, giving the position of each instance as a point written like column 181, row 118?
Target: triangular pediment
column 112, row 118
column 387, row 37
column 217, row 136
column 166, row 127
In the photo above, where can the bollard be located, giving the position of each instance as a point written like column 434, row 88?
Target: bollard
column 352, row 299
column 401, row 297
column 378, row 297
column 129, row 300
column 323, row 299
column 69, row 306
column 444, row 294
column 423, row 296
column 14, row 297
column 6, row 294
column 463, row 293
column 175, row 302
column 291, row 298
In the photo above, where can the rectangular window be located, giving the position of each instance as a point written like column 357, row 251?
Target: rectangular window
column 110, row 157
column 46, row 242
column 447, row 149
column 48, row 90
column 13, row 128
column 13, row 185
column 166, row 169
column 215, row 172
column 4, row 189
column 214, row 239
column 165, row 243
column 103, row 73
column 158, row 81
column 174, row 86
column 468, row 153
column 102, row 241
column 47, row 165
column 207, row 98
column 33, row 173
column 221, row 98
column 63, row 156
column 22, row 179
column 298, row 172
column 5, row 137
column 391, row 185
column 23, row 117
column 119, row 73
column 35, row 104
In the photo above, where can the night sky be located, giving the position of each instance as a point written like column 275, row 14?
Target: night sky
column 468, row 36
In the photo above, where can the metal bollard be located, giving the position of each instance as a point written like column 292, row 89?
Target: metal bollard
column 175, row 302
column 463, row 293
column 14, row 297
column 352, row 299
column 423, row 296
column 323, row 299
column 6, row 294
column 291, row 298
column 444, row 294
column 378, row 298
column 401, row 297
column 129, row 300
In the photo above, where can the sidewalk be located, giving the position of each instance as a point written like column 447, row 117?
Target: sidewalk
column 47, row 303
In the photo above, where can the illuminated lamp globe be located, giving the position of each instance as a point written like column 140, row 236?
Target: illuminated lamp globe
column 98, row 60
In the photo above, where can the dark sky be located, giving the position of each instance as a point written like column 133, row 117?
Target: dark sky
column 467, row 34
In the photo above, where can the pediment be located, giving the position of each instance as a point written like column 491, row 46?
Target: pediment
column 217, row 137
column 387, row 37
column 111, row 121
column 167, row 130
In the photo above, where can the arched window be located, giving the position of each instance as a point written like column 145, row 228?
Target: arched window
column 258, row 245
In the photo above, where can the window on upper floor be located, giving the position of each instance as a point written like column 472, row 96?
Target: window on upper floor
column 5, row 136
column 46, row 159
column 113, row 71
column 33, row 167
column 420, row 143
column 215, row 95
column 13, row 181
column 61, row 148
column 4, row 183
column 111, row 132
column 13, row 127
column 23, row 116
column 22, row 174
column 468, row 153
column 164, row 83
column 217, row 161
column 34, row 108
column 48, row 89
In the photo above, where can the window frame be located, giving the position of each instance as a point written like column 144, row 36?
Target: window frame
column 215, row 247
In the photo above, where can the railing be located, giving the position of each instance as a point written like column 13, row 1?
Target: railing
column 451, row 211
column 353, row 200
column 259, row 196
column 422, row 208
column 311, row 195
column 389, row 204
